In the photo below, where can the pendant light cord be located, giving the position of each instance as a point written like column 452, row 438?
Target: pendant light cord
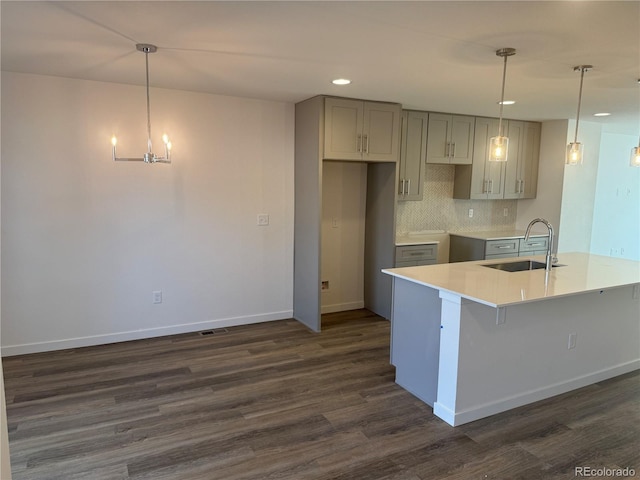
column 146, row 60
column 582, row 70
column 504, row 78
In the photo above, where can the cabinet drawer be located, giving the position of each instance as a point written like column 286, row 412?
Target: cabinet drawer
column 499, row 247
column 533, row 244
column 416, row 253
column 415, row 263
column 501, row 255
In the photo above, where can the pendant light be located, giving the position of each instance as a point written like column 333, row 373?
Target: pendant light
column 499, row 146
column 635, row 156
column 575, row 148
column 148, row 157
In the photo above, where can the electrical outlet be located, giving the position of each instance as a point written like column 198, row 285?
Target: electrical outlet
column 505, row 212
column 263, row 219
column 325, row 285
column 572, row 341
column 157, row 296
column 334, row 222
column 471, row 213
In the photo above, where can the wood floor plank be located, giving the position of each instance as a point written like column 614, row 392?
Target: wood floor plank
column 277, row 401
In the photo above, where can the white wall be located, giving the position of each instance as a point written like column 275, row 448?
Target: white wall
column 616, row 214
column 344, row 189
column 579, row 191
column 553, row 141
column 86, row 240
column 5, row 457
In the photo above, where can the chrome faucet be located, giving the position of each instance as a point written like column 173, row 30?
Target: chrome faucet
column 550, row 260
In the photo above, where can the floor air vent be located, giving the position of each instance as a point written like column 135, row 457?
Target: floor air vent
column 214, row 331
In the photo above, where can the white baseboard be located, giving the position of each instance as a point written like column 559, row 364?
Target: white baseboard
column 458, row 418
column 341, row 307
column 11, row 350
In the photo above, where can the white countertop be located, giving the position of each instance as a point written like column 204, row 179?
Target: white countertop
column 423, row 237
column 581, row 273
column 497, row 234
column 415, row 240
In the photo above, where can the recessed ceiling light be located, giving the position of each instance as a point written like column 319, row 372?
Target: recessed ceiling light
column 341, row 81
column 507, row 102
column 601, row 114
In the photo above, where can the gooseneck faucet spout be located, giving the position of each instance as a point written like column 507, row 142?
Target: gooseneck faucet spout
column 550, row 260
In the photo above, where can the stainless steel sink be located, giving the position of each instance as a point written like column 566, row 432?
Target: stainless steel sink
column 519, row 266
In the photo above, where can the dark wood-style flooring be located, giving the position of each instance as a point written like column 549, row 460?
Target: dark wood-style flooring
column 276, row 401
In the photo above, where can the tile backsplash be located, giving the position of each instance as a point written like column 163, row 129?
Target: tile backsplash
column 439, row 211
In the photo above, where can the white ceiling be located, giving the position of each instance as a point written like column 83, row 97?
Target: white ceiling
column 427, row 55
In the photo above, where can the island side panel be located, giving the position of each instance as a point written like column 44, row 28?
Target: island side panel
column 415, row 338
column 527, row 358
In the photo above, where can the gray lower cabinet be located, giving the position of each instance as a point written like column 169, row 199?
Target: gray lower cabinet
column 414, row 255
column 466, row 249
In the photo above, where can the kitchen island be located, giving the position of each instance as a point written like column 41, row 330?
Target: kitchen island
column 472, row 341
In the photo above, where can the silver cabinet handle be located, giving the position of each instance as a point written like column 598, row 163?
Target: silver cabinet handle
column 484, row 186
column 529, row 244
column 502, row 247
column 490, row 186
column 401, row 192
column 447, row 147
column 408, row 186
column 359, row 143
column 521, row 186
column 453, row 153
column 366, row 143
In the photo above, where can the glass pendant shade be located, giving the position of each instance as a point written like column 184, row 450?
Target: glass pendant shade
column 635, row 157
column 575, row 148
column 499, row 145
column 574, row 153
column 499, row 149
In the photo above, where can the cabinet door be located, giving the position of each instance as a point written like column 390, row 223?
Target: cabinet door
column 416, row 255
column 381, row 132
column 521, row 179
column 513, row 168
column 343, row 123
column 530, row 158
column 487, row 178
column 461, row 146
column 438, row 138
column 413, row 151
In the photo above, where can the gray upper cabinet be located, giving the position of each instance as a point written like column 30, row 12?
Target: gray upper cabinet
column 361, row 131
column 450, row 139
column 483, row 179
column 521, row 178
column 413, row 151
column 514, row 179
